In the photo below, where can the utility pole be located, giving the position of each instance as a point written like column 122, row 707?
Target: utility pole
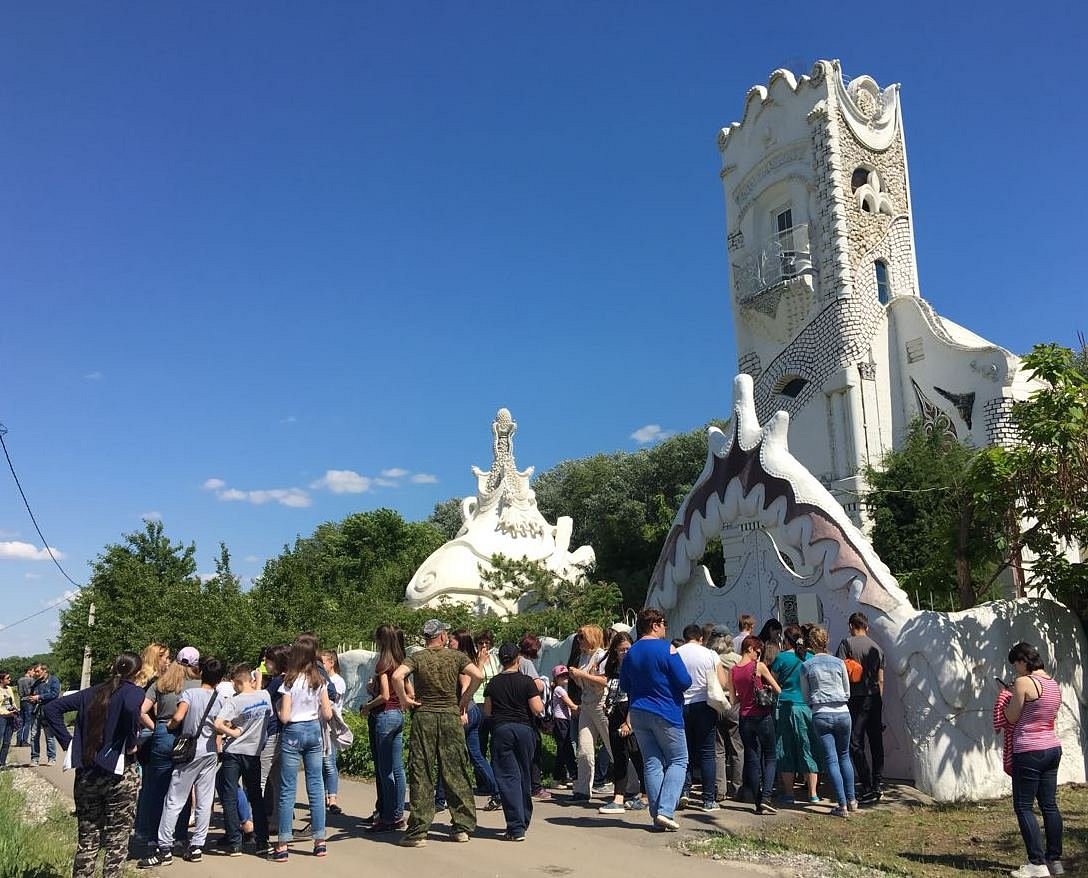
column 85, row 680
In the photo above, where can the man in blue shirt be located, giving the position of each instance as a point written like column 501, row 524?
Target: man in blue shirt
column 46, row 688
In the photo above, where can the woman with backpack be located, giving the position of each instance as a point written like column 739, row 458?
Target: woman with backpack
column 107, row 719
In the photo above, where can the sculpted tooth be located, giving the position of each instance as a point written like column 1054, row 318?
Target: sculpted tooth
column 775, row 451
column 752, row 504
column 734, row 493
column 774, row 514
column 798, row 532
column 712, row 523
column 744, row 409
column 719, row 445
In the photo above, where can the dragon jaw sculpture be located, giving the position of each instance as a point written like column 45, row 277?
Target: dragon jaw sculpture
column 939, row 666
column 751, row 475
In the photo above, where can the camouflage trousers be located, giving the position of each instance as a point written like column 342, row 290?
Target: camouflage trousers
column 105, row 810
column 437, row 749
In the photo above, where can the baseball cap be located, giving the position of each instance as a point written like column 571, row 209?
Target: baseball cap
column 189, row 656
column 433, row 627
column 559, row 670
column 507, row 653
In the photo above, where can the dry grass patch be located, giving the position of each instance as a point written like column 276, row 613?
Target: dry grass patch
column 919, row 841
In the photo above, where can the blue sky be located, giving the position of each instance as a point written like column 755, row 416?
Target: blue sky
column 258, row 242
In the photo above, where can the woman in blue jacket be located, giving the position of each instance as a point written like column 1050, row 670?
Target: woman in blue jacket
column 102, row 753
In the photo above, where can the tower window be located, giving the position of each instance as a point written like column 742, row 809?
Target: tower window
column 883, row 286
column 783, row 235
column 790, row 385
column 859, row 178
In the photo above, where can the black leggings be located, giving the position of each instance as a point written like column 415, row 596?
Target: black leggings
column 623, row 749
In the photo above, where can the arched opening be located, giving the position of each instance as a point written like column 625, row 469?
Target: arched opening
column 791, row 385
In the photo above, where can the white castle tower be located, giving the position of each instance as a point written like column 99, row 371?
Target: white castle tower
column 827, row 311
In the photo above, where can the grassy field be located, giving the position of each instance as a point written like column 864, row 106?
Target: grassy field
column 29, row 849
column 939, row 841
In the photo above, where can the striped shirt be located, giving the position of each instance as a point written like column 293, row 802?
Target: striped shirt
column 1035, row 729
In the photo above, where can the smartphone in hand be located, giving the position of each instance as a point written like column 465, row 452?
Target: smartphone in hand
column 1002, row 683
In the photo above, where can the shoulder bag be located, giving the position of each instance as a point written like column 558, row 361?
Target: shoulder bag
column 184, row 750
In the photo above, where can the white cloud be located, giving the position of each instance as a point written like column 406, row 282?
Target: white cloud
column 251, row 559
column 206, row 577
column 8, row 534
column 18, row 551
column 93, row 376
column 32, row 576
column 386, row 483
column 424, row 479
column 651, row 433
column 293, row 497
column 290, row 419
column 343, row 481
column 151, row 516
column 395, row 472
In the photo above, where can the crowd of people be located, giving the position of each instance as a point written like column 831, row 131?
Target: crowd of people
column 648, row 723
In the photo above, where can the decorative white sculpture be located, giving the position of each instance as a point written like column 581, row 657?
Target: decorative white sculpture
column 501, row 519
column 811, row 562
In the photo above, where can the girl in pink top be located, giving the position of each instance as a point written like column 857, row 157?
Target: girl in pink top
column 1037, row 753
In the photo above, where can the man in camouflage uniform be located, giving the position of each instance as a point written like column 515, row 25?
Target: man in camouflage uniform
column 437, row 737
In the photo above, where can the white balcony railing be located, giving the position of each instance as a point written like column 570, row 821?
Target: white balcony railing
column 782, row 258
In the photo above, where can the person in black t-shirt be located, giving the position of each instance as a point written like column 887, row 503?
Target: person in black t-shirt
column 512, row 700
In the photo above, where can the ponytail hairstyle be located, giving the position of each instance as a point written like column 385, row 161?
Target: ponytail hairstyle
column 125, row 667
column 795, row 639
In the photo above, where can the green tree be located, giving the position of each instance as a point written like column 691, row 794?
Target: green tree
column 623, row 505
column 144, row 588
column 447, row 517
column 334, row 581
column 1040, row 484
column 928, row 525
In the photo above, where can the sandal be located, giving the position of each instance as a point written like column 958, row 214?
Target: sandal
column 334, row 809
column 319, row 849
column 278, row 855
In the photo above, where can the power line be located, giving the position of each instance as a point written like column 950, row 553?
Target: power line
column 45, row 542
column 48, row 609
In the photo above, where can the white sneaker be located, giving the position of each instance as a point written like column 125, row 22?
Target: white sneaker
column 1031, row 870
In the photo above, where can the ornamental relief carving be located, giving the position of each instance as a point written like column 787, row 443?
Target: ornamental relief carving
column 865, row 228
column 750, row 186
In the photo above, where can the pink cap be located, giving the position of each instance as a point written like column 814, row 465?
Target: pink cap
column 188, row 655
column 558, row 671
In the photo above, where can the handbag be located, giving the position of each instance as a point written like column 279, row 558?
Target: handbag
column 715, row 694
column 184, row 750
column 143, row 750
column 764, row 696
column 340, row 734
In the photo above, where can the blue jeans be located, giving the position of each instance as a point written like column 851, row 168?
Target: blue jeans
column 155, row 782
column 300, row 743
column 27, row 711
column 242, row 767
column 389, row 764
column 330, row 774
column 512, row 748
column 700, row 726
column 475, row 754
column 37, row 726
column 1035, row 776
column 7, row 726
column 665, row 760
column 833, row 730
column 760, row 757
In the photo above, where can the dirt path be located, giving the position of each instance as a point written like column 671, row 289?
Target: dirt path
column 564, row 840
